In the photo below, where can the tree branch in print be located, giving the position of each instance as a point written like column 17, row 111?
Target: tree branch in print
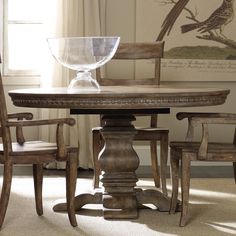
column 219, row 18
column 216, row 20
column 225, row 41
column 171, row 17
column 192, row 16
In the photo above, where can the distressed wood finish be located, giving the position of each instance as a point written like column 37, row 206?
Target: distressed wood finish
column 118, row 101
column 136, row 51
column 144, row 50
column 138, row 99
column 35, row 153
column 151, row 133
column 119, row 179
column 185, row 152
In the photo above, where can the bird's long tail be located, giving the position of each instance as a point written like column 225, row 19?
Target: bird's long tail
column 189, row 27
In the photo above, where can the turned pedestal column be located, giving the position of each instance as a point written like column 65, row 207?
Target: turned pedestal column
column 118, row 161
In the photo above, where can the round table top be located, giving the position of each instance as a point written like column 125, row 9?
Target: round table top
column 119, row 97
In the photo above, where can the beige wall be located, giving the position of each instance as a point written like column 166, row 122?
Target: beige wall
column 134, row 20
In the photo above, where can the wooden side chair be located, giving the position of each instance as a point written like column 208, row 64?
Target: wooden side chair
column 153, row 133
column 185, row 152
column 36, row 153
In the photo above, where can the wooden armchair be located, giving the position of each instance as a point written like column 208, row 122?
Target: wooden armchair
column 136, row 51
column 36, row 153
column 188, row 151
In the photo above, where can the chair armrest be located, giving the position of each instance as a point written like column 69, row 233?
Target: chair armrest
column 68, row 121
column 208, row 118
column 195, row 118
column 61, row 147
column 20, row 116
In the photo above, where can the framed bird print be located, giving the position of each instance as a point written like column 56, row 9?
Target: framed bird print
column 199, row 35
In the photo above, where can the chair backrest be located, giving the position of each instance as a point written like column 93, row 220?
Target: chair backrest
column 136, row 51
column 206, row 119
column 4, row 129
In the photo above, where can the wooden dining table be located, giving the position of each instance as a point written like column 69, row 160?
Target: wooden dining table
column 118, row 160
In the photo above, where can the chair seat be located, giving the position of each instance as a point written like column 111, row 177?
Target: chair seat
column 150, row 133
column 214, row 150
column 145, row 133
column 147, row 129
column 41, row 151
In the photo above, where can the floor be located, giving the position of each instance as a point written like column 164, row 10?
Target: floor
column 143, row 172
column 207, row 217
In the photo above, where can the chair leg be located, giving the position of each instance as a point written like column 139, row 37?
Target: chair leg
column 164, row 159
column 38, row 184
column 6, row 188
column 154, row 160
column 185, row 185
column 71, row 177
column 234, row 168
column 174, row 162
column 97, row 146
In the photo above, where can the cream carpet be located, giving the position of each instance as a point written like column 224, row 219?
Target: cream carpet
column 212, row 212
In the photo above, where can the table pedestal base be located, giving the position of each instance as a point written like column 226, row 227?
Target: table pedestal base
column 118, row 161
column 141, row 198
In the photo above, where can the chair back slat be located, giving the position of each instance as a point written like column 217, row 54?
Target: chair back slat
column 136, row 51
column 4, row 130
column 234, row 140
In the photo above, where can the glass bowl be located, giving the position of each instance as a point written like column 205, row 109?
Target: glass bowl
column 83, row 54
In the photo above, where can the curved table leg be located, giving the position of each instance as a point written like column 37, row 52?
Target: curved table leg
column 151, row 196
column 80, row 201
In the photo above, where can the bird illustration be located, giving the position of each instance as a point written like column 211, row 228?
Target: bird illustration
column 217, row 20
column 171, row 17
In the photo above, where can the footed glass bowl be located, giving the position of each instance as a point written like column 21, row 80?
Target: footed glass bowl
column 83, row 54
